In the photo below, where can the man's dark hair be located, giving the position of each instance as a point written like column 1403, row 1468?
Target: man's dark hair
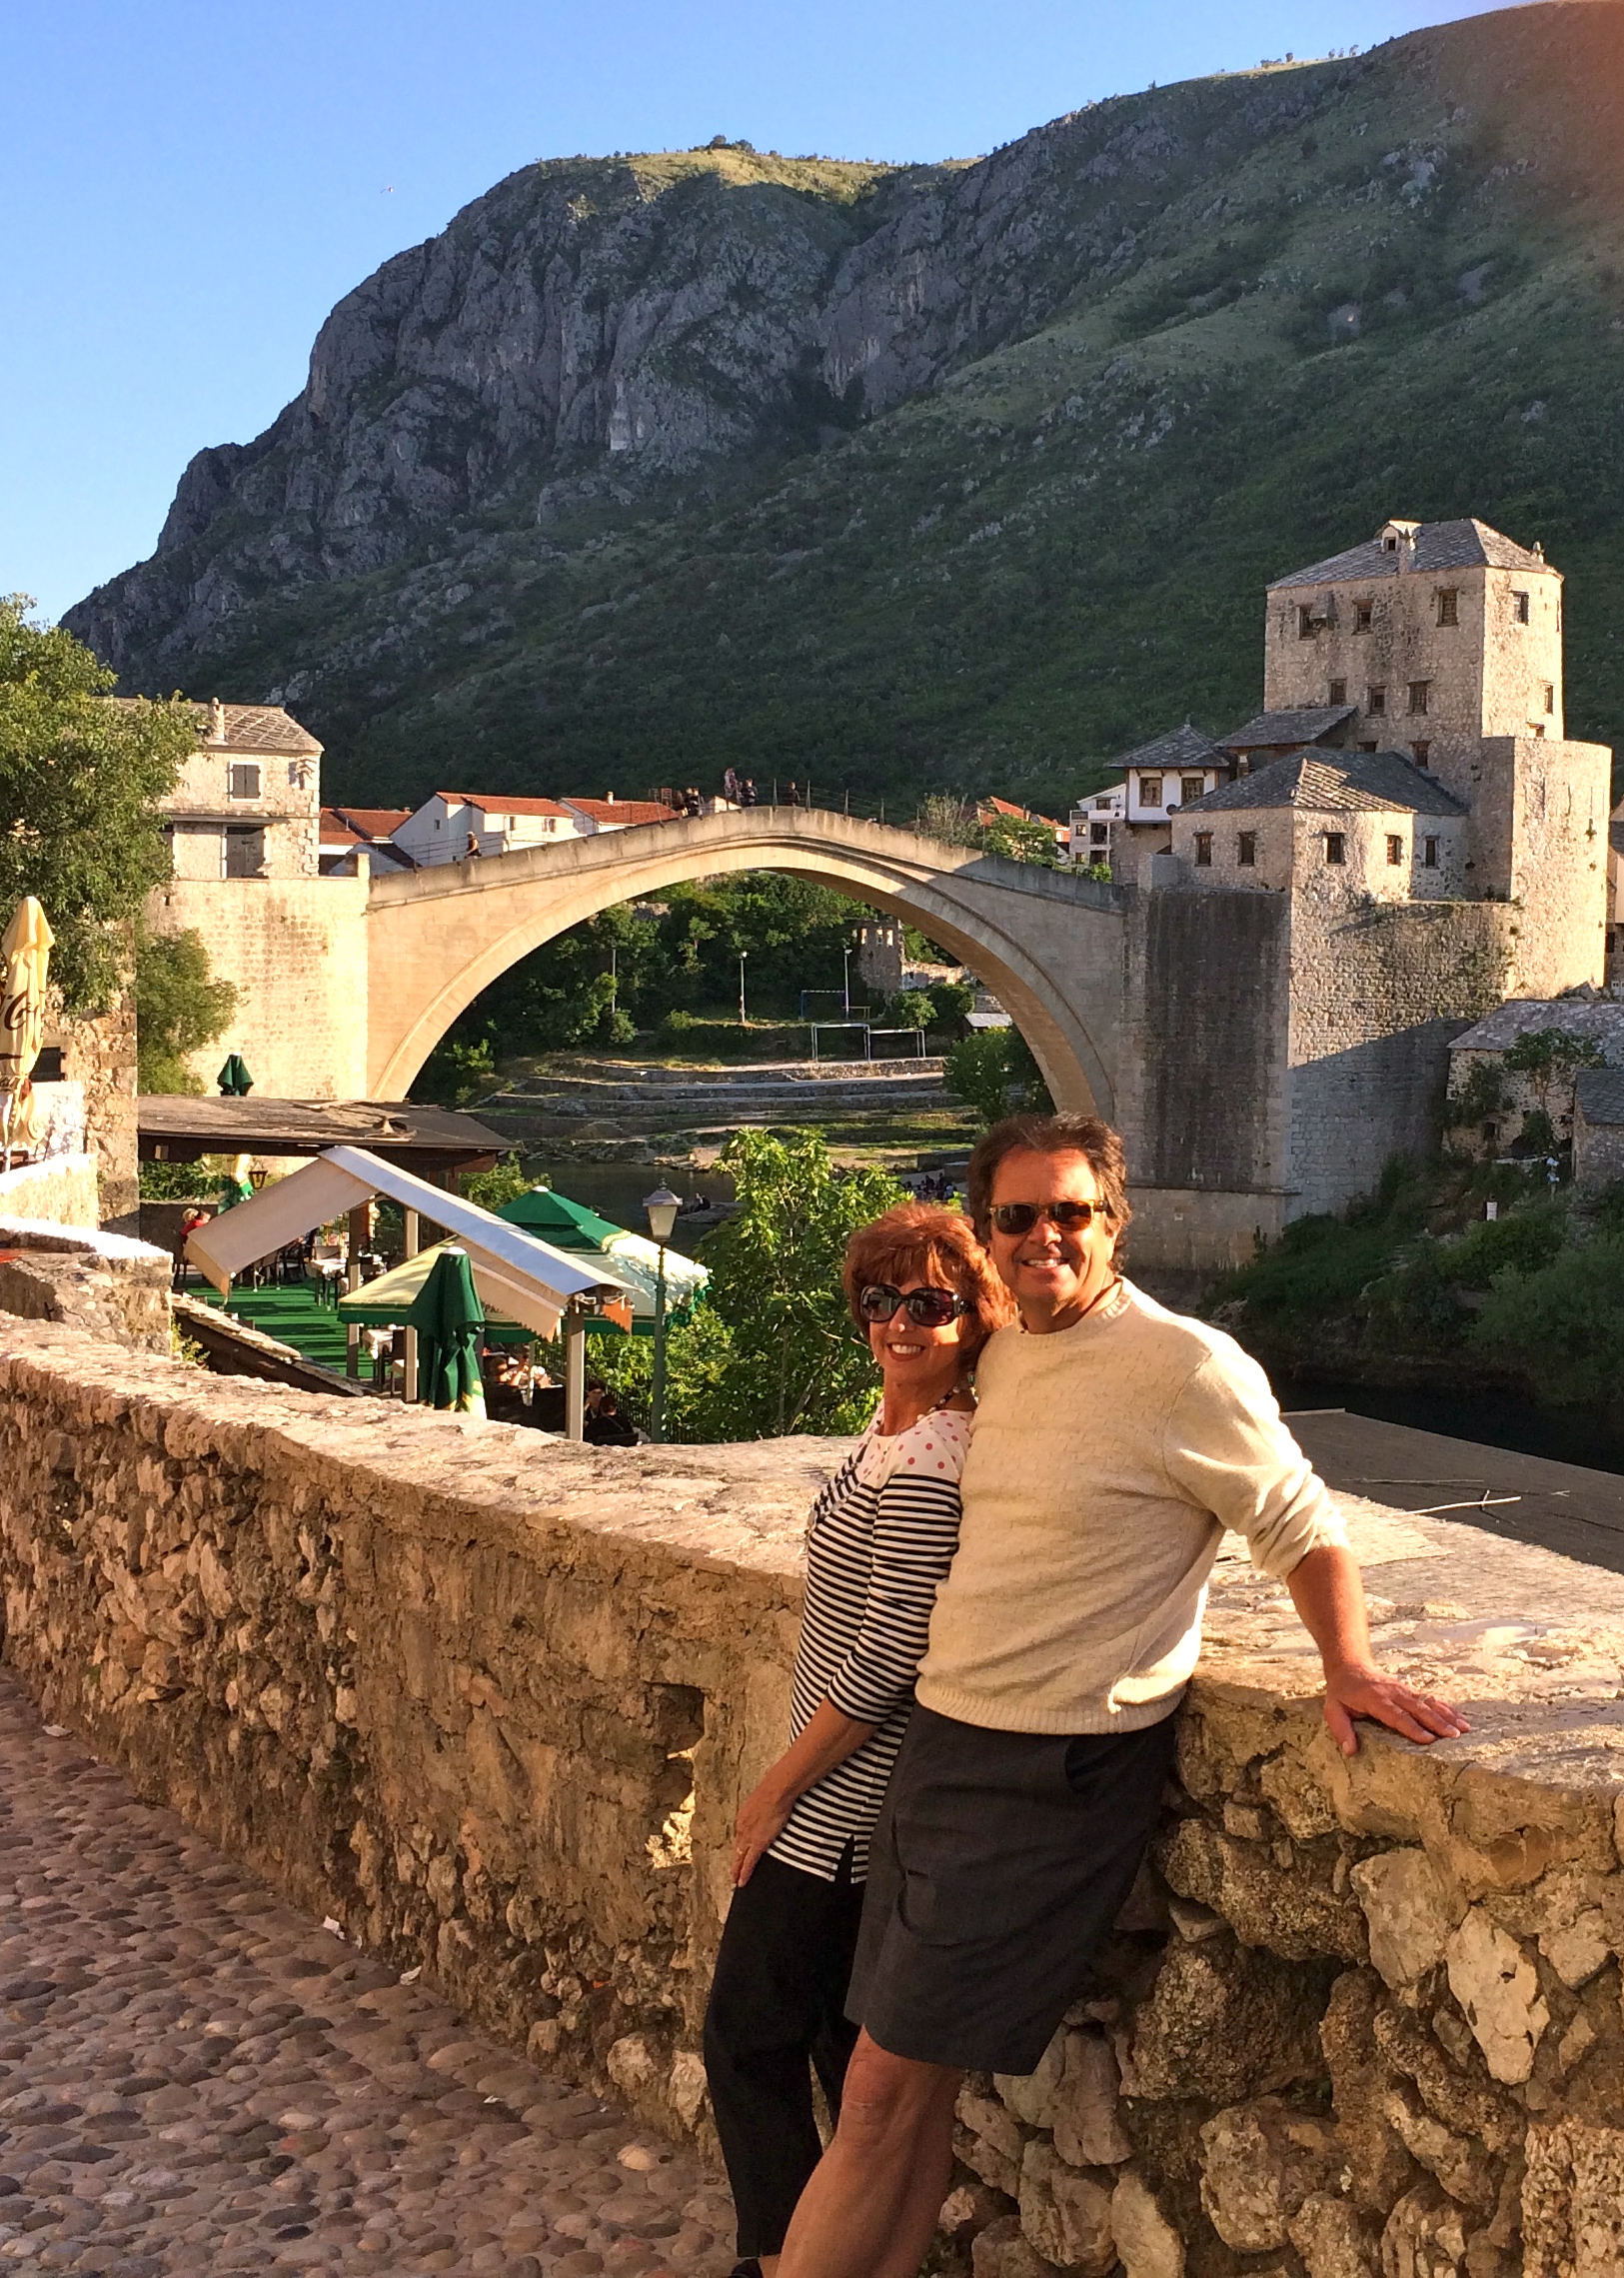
column 1049, row 1134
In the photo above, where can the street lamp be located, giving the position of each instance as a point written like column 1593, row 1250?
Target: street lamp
column 743, row 1021
column 662, row 1207
column 846, row 985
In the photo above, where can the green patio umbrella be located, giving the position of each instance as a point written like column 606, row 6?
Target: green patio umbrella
column 234, row 1080
column 553, row 1217
column 447, row 1317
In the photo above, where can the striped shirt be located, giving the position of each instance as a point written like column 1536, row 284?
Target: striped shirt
column 879, row 1540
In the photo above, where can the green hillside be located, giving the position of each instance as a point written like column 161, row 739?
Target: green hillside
column 1391, row 285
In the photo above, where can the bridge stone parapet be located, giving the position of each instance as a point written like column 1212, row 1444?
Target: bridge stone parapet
column 489, row 1701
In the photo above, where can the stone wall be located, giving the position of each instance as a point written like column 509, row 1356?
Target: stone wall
column 294, row 949
column 60, row 1190
column 490, row 1703
column 1378, row 994
column 98, row 1054
column 103, row 1284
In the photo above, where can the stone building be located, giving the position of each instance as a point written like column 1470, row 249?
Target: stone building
column 1435, row 636
column 1362, row 824
column 1598, row 1129
column 1490, row 1103
column 247, row 803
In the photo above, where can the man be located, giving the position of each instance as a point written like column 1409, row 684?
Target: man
column 1113, row 1443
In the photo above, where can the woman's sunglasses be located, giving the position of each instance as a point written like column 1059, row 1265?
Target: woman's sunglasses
column 1020, row 1217
column 931, row 1308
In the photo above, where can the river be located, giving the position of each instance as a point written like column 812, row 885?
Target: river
column 1495, row 1418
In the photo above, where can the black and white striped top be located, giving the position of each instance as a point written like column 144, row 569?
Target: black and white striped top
column 879, row 1540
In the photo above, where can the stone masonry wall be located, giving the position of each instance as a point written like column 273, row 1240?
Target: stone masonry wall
column 491, row 1702
column 296, row 949
column 1379, row 993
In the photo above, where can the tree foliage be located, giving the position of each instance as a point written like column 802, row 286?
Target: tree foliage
column 994, row 1071
column 793, row 1361
column 79, row 782
column 178, row 1008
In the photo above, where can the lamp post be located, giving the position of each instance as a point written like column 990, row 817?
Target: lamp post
column 846, row 978
column 743, row 1021
column 662, row 1207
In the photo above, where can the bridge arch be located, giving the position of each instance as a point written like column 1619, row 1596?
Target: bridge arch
column 1047, row 942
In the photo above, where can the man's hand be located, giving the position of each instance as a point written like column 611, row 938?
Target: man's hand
column 1359, row 1689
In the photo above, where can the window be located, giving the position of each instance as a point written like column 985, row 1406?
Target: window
column 243, row 779
column 1361, row 615
column 1430, row 853
column 1550, row 695
column 47, row 1068
column 1336, row 848
column 1099, row 834
column 1204, row 850
column 1338, row 692
column 1191, row 787
column 1375, row 701
column 1448, row 606
column 244, row 852
column 1367, row 746
column 1392, row 545
column 1422, row 751
column 1395, row 850
column 1519, row 607
column 1246, row 849
column 1418, row 695
column 1305, row 621
column 1151, row 791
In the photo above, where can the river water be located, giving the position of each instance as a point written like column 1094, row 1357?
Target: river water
column 1496, row 1419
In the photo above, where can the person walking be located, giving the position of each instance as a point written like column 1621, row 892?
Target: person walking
column 747, row 792
column 729, row 786
column 879, row 1541
column 1114, row 1442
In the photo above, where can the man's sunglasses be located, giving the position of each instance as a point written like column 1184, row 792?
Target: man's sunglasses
column 1020, row 1217
column 931, row 1308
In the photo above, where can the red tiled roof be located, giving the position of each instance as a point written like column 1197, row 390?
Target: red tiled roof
column 1016, row 814
column 625, row 811
column 338, row 830
column 371, row 822
column 502, row 802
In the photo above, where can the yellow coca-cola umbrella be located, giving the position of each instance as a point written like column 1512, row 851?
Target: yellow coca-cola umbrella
column 25, row 958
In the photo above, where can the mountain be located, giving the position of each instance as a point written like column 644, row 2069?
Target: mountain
column 896, row 477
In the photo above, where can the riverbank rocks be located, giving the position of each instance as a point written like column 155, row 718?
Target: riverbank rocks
column 488, row 1704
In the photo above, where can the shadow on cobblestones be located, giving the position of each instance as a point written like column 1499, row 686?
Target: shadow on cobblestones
column 195, row 2078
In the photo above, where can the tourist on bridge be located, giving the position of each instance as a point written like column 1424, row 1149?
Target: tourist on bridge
column 747, row 792
column 1114, row 1441
column 879, row 1541
column 729, row 786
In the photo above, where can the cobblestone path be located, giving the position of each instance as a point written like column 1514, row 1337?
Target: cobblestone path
column 195, row 2078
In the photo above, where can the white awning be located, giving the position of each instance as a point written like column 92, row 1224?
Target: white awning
column 527, row 1280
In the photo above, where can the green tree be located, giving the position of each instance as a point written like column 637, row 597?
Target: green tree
column 1019, row 840
column 79, row 782
column 951, row 1001
column 910, row 1008
column 994, row 1071
column 1563, row 1326
column 178, row 1008
column 793, row 1361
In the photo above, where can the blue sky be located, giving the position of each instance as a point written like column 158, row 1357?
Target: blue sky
column 193, row 183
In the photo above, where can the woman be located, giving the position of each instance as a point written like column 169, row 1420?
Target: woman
column 880, row 1537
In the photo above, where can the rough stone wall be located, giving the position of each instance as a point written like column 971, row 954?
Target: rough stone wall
column 1598, row 1153
column 61, row 1189
column 1379, row 993
column 1539, row 825
column 296, row 951
column 1208, row 975
column 492, row 1706
column 105, row 1285
column 99, row 1055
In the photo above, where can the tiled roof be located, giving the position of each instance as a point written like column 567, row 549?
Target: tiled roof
column 338, row 830
column 627, row 811
column 1353, row 783
column 371, row 822
column 1598, row 1019
column 504, row 803
column 1184, row 747
column 1012, row 814
column 246, row 727
column 1286, row 731
column 1600, row 1094
column 1464, row 544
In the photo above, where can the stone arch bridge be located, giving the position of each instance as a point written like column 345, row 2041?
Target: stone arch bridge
column 1048, row 944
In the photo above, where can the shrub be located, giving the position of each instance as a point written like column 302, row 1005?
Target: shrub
column 1563, row 1326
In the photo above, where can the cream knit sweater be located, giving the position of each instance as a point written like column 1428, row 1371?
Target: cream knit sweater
column 1106, row 1461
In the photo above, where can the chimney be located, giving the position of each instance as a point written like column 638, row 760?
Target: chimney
column 216, row 721
column 608, row 799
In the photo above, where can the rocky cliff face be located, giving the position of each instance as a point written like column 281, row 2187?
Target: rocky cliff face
column 597, row 350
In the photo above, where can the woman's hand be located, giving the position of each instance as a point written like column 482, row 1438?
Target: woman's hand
column 761, row 1820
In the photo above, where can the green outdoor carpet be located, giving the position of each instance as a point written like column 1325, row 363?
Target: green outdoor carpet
column 291, row 1315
